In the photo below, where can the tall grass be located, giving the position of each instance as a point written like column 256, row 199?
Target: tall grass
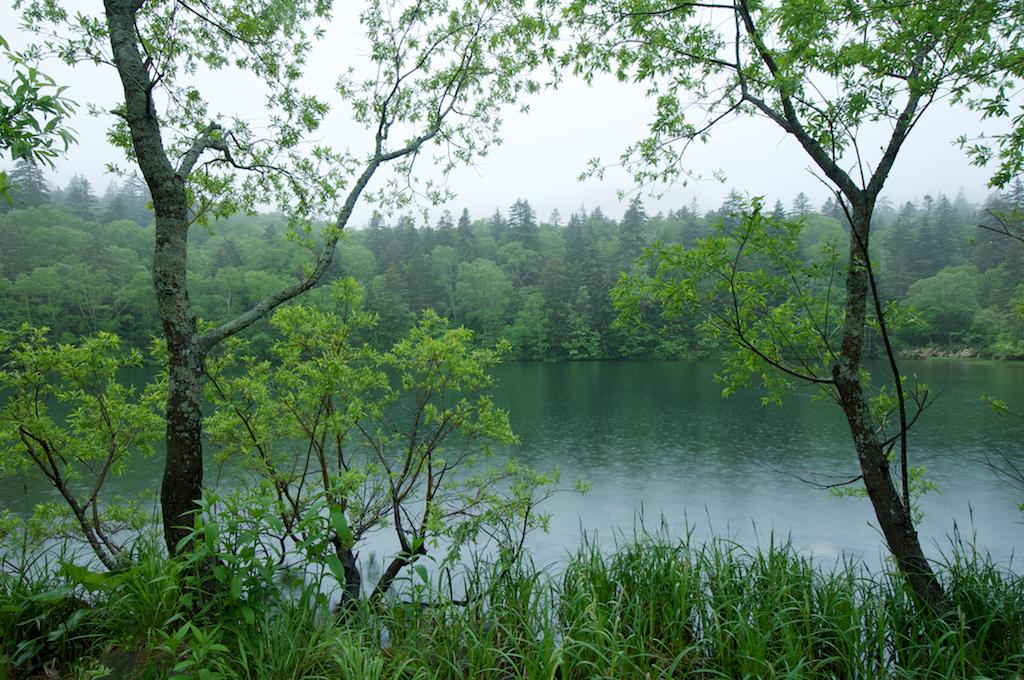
column 648, row 607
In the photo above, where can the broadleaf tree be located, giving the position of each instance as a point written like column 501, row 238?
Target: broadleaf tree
column 849, row 81
column 398, row 441
column 439, row 73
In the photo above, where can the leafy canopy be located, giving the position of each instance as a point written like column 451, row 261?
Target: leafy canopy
column 824, row 70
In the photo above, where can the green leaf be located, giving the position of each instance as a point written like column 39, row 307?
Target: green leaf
column 421, row 571
column 340, row 525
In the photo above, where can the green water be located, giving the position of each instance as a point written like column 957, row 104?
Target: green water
column 657, row 441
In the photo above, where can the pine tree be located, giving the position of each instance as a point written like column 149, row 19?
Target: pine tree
column 522, row 225
column 832, row 209
column 801, row 206
column 465, row 239
column 135, row 195
column 575, row 242
column 499, row 227
column 632, row 233
column 79, row 198
column 445, row 230
column 115, row 210
column 29, row 187
column 779, row 213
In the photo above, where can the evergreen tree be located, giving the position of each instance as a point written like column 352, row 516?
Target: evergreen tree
column 900, row 264
column 694, row 207
column 779, row 213
column 29, row 188
column 115, row 210
column 801, row 206
column 1015, row 195
column 499, row 227
column 574, row 239
column 226, row 256
column 522, row 225
column 730, row 210
column 135, row 195
column 832, row 209
column 376, row 235
column 79, row 198
column 632, row 233
column 444, row 231
column 465, row 239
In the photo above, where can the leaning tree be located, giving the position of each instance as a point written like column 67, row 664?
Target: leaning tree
column 849, row 80
column 434, row 79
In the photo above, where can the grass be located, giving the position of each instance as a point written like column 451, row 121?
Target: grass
column 650, row 608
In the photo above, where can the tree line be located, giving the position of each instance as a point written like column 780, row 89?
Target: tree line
column 80, row 263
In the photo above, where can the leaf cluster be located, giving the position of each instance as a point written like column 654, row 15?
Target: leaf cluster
column 823, row 70
column 33, row 111
column 68, row 419
column 374, row 440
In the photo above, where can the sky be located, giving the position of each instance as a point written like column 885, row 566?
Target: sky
column 546, row 149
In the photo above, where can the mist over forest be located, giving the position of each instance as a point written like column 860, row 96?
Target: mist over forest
column 79, row 261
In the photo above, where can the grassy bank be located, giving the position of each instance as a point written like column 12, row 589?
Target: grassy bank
column 650, row 608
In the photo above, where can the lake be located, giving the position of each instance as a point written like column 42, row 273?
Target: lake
column 661, row 446
column 657, row 440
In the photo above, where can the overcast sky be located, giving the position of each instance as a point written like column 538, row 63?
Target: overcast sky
column 545, row 150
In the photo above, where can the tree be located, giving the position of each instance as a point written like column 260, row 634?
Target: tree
column 779, row 212
column 80, row 199
column 465, row 239
column 522, row 225
column 331, row 423
column 801, row 206
column 886, row 64
column 948, row 302
column 632, row 232
column 107, row 424
column 499, row 227
column 28, row 186
column 440, row 71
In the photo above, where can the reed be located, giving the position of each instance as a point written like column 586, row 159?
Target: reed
column 648, row 607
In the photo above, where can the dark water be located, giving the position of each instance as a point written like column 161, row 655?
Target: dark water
column 658, row 442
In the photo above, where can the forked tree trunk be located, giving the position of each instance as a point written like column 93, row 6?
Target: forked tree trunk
column 893, row 516
column 183, row 471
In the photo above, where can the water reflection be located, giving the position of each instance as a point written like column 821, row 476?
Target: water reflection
column 658, row 439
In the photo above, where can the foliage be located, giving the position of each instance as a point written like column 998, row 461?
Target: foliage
column 31, row 116
column 650, row 606
column 752, row 289
column 78, row 277
column 788, row 324
column 826, row 73
column 705, row 63
column 69, row 421
column 365, row 440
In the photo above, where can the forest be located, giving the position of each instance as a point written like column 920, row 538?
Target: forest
column 78, row 263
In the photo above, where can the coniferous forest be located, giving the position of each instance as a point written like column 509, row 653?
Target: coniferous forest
column 78, row 262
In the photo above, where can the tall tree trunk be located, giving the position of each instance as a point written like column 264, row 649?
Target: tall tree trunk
column 183, row 471
column 893, row 516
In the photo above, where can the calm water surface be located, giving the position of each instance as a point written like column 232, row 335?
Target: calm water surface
column 658, row 441
column 660, row 445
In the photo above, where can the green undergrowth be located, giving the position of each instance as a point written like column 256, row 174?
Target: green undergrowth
column 650, row 607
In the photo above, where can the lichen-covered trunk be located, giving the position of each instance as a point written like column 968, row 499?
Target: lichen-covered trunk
column 183, row 472
column 894, row 517
column 183, row 466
